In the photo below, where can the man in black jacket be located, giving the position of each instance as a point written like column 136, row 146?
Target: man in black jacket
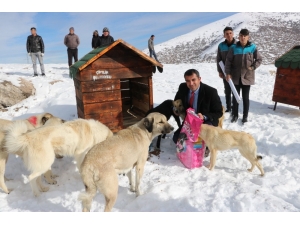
column 105, row 39
column 201, row 97
column 35, row 49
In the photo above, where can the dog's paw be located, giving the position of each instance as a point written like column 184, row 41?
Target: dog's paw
column 249, row 170
column 44, row 189
column 132, row 189
column 6, row 179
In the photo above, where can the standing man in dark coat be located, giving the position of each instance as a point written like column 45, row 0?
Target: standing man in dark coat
column 35, row 49
column 201, row 97
column 105, row 39
column 223, row 49
column 241, row 62
column 95, row 39
column 72, row 41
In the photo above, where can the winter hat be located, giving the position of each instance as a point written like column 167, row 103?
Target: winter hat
column 71, row 28
column 32, row 28
column 105, row 29
column 244, row 32
column 152, row 35
column 95, row 31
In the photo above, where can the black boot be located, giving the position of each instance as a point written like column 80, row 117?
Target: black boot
column 245, row 119
column 234, row 118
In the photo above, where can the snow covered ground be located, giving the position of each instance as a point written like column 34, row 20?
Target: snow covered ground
column 167, row 185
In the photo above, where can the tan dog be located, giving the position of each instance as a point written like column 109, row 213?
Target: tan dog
column 221, row 119
column 218, row 139
column 119, row 154
column 31, row 123
column 73, row 138
column 180, row 111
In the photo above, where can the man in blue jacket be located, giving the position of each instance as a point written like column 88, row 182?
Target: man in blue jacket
column 223, row 49
column 241, row 62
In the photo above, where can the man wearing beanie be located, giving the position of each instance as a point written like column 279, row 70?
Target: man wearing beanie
column 241, row 62
column 72, row 41
column 105, row 39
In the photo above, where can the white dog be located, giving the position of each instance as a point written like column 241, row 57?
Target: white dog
column 31, row 123
column 72, row 138
column 127, row 149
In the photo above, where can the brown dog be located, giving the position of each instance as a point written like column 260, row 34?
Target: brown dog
column 218, row 139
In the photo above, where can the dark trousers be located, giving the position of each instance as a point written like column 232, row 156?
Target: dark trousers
column 227, row 91
column 72, row 53
column 177, row 132
column 246, row 102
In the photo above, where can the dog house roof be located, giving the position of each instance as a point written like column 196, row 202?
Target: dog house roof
column 290, row 59
column 98, row 52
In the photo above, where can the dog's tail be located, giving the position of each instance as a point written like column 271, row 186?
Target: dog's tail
column 259, row 157
column 15, row 141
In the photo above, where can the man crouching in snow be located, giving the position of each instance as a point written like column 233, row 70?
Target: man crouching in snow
column 202, row 98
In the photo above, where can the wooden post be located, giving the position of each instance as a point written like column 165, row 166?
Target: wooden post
column 150, row 92
column 275, row 106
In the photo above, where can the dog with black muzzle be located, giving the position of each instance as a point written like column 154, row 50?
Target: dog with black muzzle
column 168, row 108
column 118, row 154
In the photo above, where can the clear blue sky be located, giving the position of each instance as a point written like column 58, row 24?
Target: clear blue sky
column 133, row 27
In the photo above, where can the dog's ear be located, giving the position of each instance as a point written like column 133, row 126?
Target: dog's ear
column 148, row 123
column 44, row 120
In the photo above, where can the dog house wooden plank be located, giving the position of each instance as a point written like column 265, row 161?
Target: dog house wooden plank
column 143, row 80
column 118, row 73
column 119, row 62
column 79, row 104
column 99, row 85
column 80, row 113
column 124, row 83
column 143, row 106
column 140, row 96
column 102, row 96
column 140, row 88
column 102, row 107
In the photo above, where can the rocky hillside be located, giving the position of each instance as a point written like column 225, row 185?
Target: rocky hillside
column 273, row 33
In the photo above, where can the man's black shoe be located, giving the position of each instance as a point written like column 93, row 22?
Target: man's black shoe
column 227, row 110
column 244, row 120
column 35, row 75
column 43, row 74
column 234, row 119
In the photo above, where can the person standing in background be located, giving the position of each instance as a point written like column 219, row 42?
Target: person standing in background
column 72, row 41
column 105, row 39
column 95, row 39
column 223, row 49
column 35, row 49
column 241, row 62
column 151, row 47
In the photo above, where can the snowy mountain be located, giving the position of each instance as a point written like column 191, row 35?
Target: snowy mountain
column 273, row 33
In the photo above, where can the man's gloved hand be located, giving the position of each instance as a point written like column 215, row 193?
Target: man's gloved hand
column 42, row 54
column 29, row 53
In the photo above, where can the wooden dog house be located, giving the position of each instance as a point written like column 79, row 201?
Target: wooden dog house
column 113, row 84
column 286, row 87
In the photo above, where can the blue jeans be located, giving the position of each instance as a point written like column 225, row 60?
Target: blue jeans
column 152, row 52
column 34, row 56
